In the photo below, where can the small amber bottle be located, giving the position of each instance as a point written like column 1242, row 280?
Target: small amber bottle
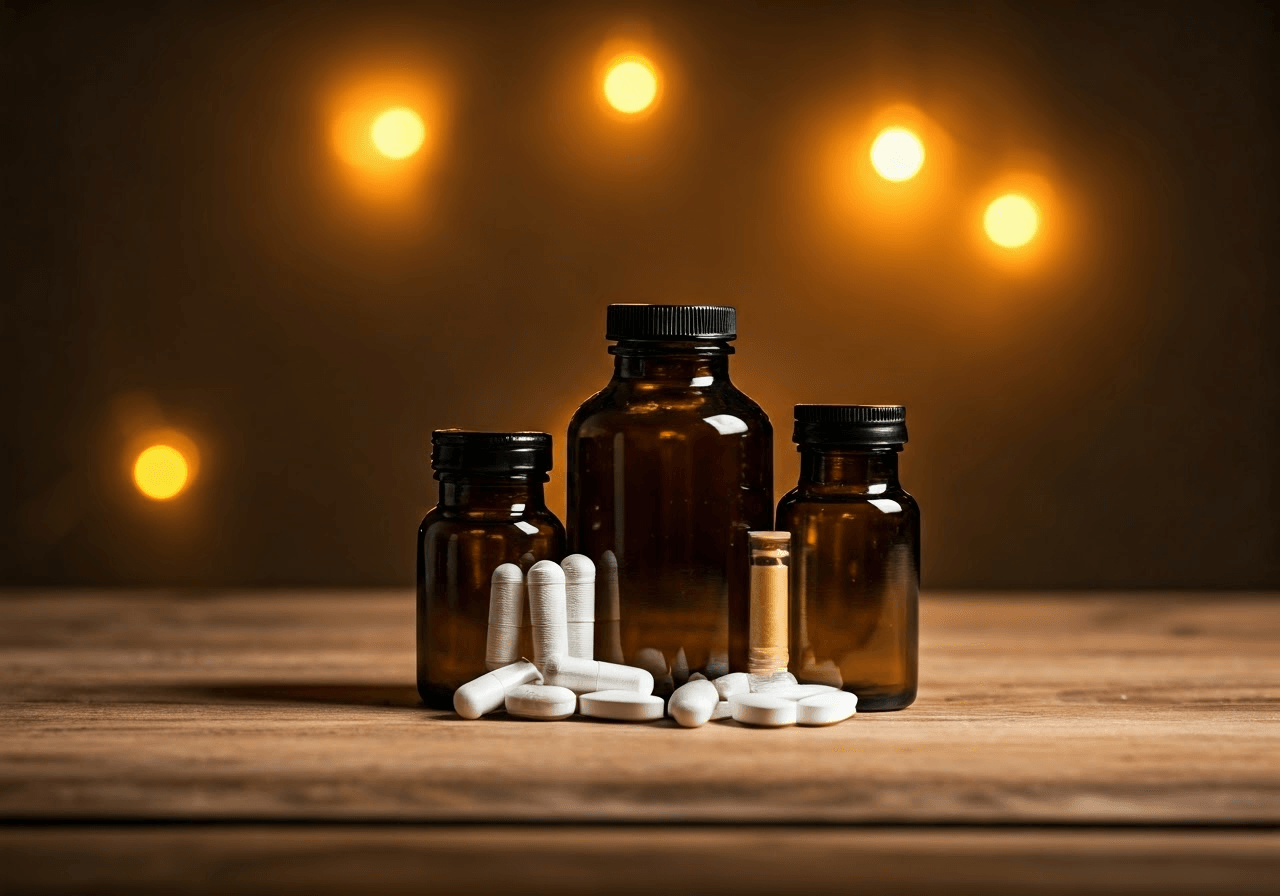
column 491, row 511
column 855, row 565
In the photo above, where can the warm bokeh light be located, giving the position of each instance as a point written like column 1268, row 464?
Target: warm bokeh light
column 161, row 472
column 897, row 154
column 1011, row 220
column 631, row 84
column 398, row 133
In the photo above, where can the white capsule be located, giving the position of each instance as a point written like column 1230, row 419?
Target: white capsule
column 763, row 684
column 621, row 706
column 826, row 709
column 547, row 611
column 588, row 676
column 506, row 609
column 722, row 710
column 541, row 702
column 692, row 704
column 608, row 617
column 488, row 692
column 580, row 594
column 801, row 691
column 763, row 710
column 733, row 683
column 697, row 676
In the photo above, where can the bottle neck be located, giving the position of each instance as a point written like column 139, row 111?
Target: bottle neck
column 508, row 494
column 849, row 469
column 685, row 362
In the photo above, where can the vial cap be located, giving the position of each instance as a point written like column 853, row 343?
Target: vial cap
column 465, row 451
column 718, row 322
column 851, row 425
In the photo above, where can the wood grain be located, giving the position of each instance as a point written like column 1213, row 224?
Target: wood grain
column 572, row 860
column 1058, row 709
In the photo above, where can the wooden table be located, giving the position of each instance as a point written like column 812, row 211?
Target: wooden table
column 273, row 741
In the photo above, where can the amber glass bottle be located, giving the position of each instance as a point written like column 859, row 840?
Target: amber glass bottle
column 491, row 511
column 855, row 563
column 669, row 467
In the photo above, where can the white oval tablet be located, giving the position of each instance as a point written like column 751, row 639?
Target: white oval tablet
column 826, row 709
column 692, row 704
column 764, row 710
column 800, row 691
column 541, row 701
column 622, row 706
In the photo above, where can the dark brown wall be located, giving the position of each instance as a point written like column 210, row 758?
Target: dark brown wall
column 182, row 247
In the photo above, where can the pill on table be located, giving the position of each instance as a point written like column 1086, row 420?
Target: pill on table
column 506, row 608
column 826, row 709
column 722, row 710
column 588, row 676
column 733, row 683
column 800, row 691
column 692, row 704
column 621, row 706
column 547, row 611
column 488, row 692
column 580, row 598
column 762, row 684
column 541, row 702
column 763, row 710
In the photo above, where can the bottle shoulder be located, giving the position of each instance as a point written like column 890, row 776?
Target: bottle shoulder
column 536, row 522
column 891, row 500
column 624, row 405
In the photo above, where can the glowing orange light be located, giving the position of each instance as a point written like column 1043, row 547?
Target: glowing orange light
column 161, row 472
column 897, row 154
column 398, row 133
column 1011, row 220
column 631, row 84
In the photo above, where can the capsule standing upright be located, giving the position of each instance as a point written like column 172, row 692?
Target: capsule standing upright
column 670, row 466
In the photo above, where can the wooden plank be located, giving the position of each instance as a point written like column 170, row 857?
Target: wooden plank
column 1152, row 709
column 571, row 860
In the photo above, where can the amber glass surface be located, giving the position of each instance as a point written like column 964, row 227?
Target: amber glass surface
column 855, row 574
column 669, row 467
column 480, row 523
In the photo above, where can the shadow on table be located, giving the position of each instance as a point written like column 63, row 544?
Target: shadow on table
column 396, row 695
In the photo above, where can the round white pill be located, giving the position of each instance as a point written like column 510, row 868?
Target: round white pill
column 541, row 701
column 800, row 691
column 692, row 704
column 733, row 683
column 826, row 709
column 622, row 706
column 764, row 710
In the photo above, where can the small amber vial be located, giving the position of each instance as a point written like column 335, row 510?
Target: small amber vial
column 855, row 565
column 491, row 511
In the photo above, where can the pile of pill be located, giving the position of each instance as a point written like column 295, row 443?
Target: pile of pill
column 564, row 679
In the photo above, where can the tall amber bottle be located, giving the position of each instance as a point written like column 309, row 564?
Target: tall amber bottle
column 491, row 511
column 855, row 555
column 670, row 466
